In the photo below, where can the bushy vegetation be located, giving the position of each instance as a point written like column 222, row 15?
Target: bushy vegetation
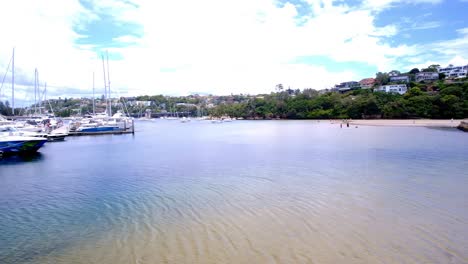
column 439, row 99
column 5, row 108
column 421, row 101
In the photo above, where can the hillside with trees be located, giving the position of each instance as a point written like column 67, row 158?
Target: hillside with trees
column 440, row 99
column 436, row 101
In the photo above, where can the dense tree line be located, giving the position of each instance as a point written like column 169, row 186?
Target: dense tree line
column 5, row 108
column 437, row 100
column 423, row 100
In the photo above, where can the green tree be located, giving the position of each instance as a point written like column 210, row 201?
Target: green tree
column 415, row 91
column 431, row 68
column 395, row 109
column 382, row 78
column 279, row 87
column 419, row 106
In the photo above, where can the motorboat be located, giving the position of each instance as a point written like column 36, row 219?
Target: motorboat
column 11, row 144
column 101, row 128
column 118, row 122
column 55, row 135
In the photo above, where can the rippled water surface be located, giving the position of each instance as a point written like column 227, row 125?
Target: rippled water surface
column 240, row 192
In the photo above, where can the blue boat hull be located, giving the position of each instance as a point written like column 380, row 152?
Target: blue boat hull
column 20, row 147
column 100, row 129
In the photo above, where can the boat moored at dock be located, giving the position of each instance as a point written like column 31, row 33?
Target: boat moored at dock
column 102, row 128
column 11, row 144
column 94, row 125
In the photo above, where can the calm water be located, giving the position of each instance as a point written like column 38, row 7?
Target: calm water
column 240, row 192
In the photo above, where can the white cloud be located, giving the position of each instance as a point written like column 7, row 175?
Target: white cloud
column 452, row 51
column 42, row 33
column 382, row 4
column 127, row 39
column 453, row 47
column 245, row 37
column 458, row 60
column 213, row 46
column 425, row 25
column 463, row 31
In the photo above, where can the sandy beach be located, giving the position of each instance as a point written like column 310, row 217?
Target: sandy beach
column 408, row 122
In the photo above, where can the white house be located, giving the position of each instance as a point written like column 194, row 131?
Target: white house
column 138, row 103
column 427, row 76
column 454, row 71
column 186, row 105
column 143, row 103
column 393, row 88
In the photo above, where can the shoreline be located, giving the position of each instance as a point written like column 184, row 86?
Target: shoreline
column 438, row 123
column 434, row 123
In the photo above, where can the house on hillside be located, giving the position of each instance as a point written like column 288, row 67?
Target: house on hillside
column 367, row 83
column 400, row 79
column 346, row 86
column 143, row 103
column 393, row 88
column 454, row 72
column 186, row 105
column 427, row 76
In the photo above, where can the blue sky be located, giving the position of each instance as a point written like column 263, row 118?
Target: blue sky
column 224, row 47
column 426, row 23
column 102, row 32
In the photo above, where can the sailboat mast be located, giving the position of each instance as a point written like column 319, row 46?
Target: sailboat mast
column 35, row 91
column 108, row 84
column 94, row 106
column 13, row 84
column 45, row 95
column 39, row 101
column 105, row 82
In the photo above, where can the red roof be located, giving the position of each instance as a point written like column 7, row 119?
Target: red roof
column 367, row 81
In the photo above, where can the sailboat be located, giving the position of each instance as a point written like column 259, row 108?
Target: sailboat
column 104, row 122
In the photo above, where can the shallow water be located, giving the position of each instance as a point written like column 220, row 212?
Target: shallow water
column 240, row 192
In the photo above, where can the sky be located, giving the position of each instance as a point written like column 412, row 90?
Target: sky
column 182, row 47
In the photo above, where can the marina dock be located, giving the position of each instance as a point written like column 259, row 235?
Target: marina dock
column 126, row 130
column 101, row 133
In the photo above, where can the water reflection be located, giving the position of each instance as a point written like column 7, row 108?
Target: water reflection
column 28, row 157
column 241, row 192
